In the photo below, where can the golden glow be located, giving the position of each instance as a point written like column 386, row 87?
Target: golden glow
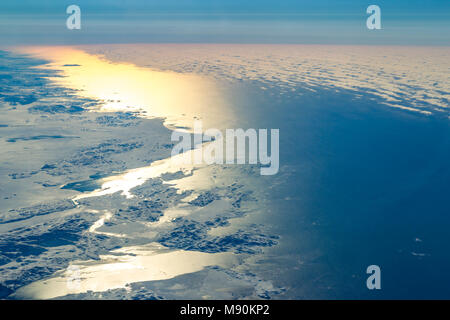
column 124, row 266
column 410, row 78
column 179, row 98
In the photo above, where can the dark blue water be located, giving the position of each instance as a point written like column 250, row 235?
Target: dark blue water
column 367, row 184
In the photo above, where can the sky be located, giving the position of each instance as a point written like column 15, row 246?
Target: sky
column 412, row 22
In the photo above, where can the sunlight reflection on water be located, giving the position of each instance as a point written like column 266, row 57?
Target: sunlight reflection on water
column 124, row 266
column 177, row 98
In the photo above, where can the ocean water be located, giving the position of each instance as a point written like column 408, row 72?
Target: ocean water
column 367, row 186
column 363, row 180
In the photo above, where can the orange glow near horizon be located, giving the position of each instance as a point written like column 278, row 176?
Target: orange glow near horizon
column 179, row 98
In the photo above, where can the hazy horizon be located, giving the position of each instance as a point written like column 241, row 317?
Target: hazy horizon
column 403, row 22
